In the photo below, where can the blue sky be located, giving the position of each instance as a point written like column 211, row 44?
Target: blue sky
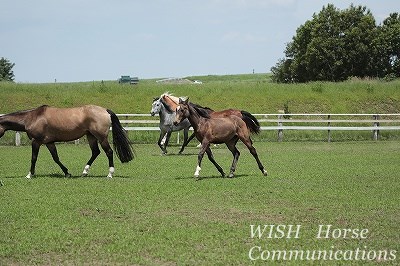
column 84, row 40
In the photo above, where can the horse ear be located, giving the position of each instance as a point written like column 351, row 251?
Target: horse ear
column 186, row 101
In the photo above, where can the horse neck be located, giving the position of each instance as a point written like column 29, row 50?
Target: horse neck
column 14, row 121
column 194, row 118
column 165, row 116
column 171, row 102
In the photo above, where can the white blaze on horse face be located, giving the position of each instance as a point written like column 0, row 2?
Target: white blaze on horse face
column 111, row 172
column 197, row 172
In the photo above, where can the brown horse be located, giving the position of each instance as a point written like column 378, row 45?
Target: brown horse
column 249, row 119
column 47, row 125
column 226, row 130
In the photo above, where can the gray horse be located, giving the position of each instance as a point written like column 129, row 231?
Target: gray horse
column 167, row 117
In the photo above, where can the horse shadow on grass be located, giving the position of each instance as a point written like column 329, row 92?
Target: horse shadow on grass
column 175, row 154
column 210, row 177
column 61, row 176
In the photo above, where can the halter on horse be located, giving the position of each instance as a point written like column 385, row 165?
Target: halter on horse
column 47, row 125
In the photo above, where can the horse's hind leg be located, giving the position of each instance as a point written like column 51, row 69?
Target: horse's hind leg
column 185, row 140
column 109, row 152
column 53, row 151
column 93, row 144
column 249, row 145
column 235, row 152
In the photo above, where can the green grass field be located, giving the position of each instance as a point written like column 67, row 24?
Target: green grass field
column 252, row 92
column 153, row 212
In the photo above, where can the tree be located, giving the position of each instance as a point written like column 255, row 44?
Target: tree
column 6, row 73
column 387, row 49
column 337, row 44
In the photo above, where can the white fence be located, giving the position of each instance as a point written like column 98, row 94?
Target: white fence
column 283, row 122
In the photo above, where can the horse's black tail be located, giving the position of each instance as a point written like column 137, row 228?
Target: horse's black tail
column 122, row 144
column 251, row 122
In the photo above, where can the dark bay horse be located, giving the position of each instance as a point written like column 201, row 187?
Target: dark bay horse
column 252, row 123
column 47, row 125
column 226, row 130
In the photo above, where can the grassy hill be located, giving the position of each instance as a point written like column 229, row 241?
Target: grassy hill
column 252, row 92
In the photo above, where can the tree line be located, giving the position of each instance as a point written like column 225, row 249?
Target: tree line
column 6, row 72
column 338, row 44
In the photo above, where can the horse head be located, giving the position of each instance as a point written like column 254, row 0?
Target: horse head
column 156, row 106
column 182, row 111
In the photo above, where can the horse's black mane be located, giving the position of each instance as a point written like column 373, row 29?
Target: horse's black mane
column 207, row 109
column 202, row 111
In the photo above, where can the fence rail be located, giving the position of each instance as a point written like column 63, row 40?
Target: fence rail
column 283, row 122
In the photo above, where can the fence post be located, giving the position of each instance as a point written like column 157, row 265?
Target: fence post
column 17, row 138
column 376, row 131
column 329, row 125
column 280, row 131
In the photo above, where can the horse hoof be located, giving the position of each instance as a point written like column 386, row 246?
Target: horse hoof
column 68, row 175
column 265, row 173
column 231, row 175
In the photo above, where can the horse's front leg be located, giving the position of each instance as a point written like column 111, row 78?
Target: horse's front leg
column 105, row 145
column 159, row 142
column 53, row 151
column 35, row 153
column 167, row 137
column 211, row 158
column 204, row 147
